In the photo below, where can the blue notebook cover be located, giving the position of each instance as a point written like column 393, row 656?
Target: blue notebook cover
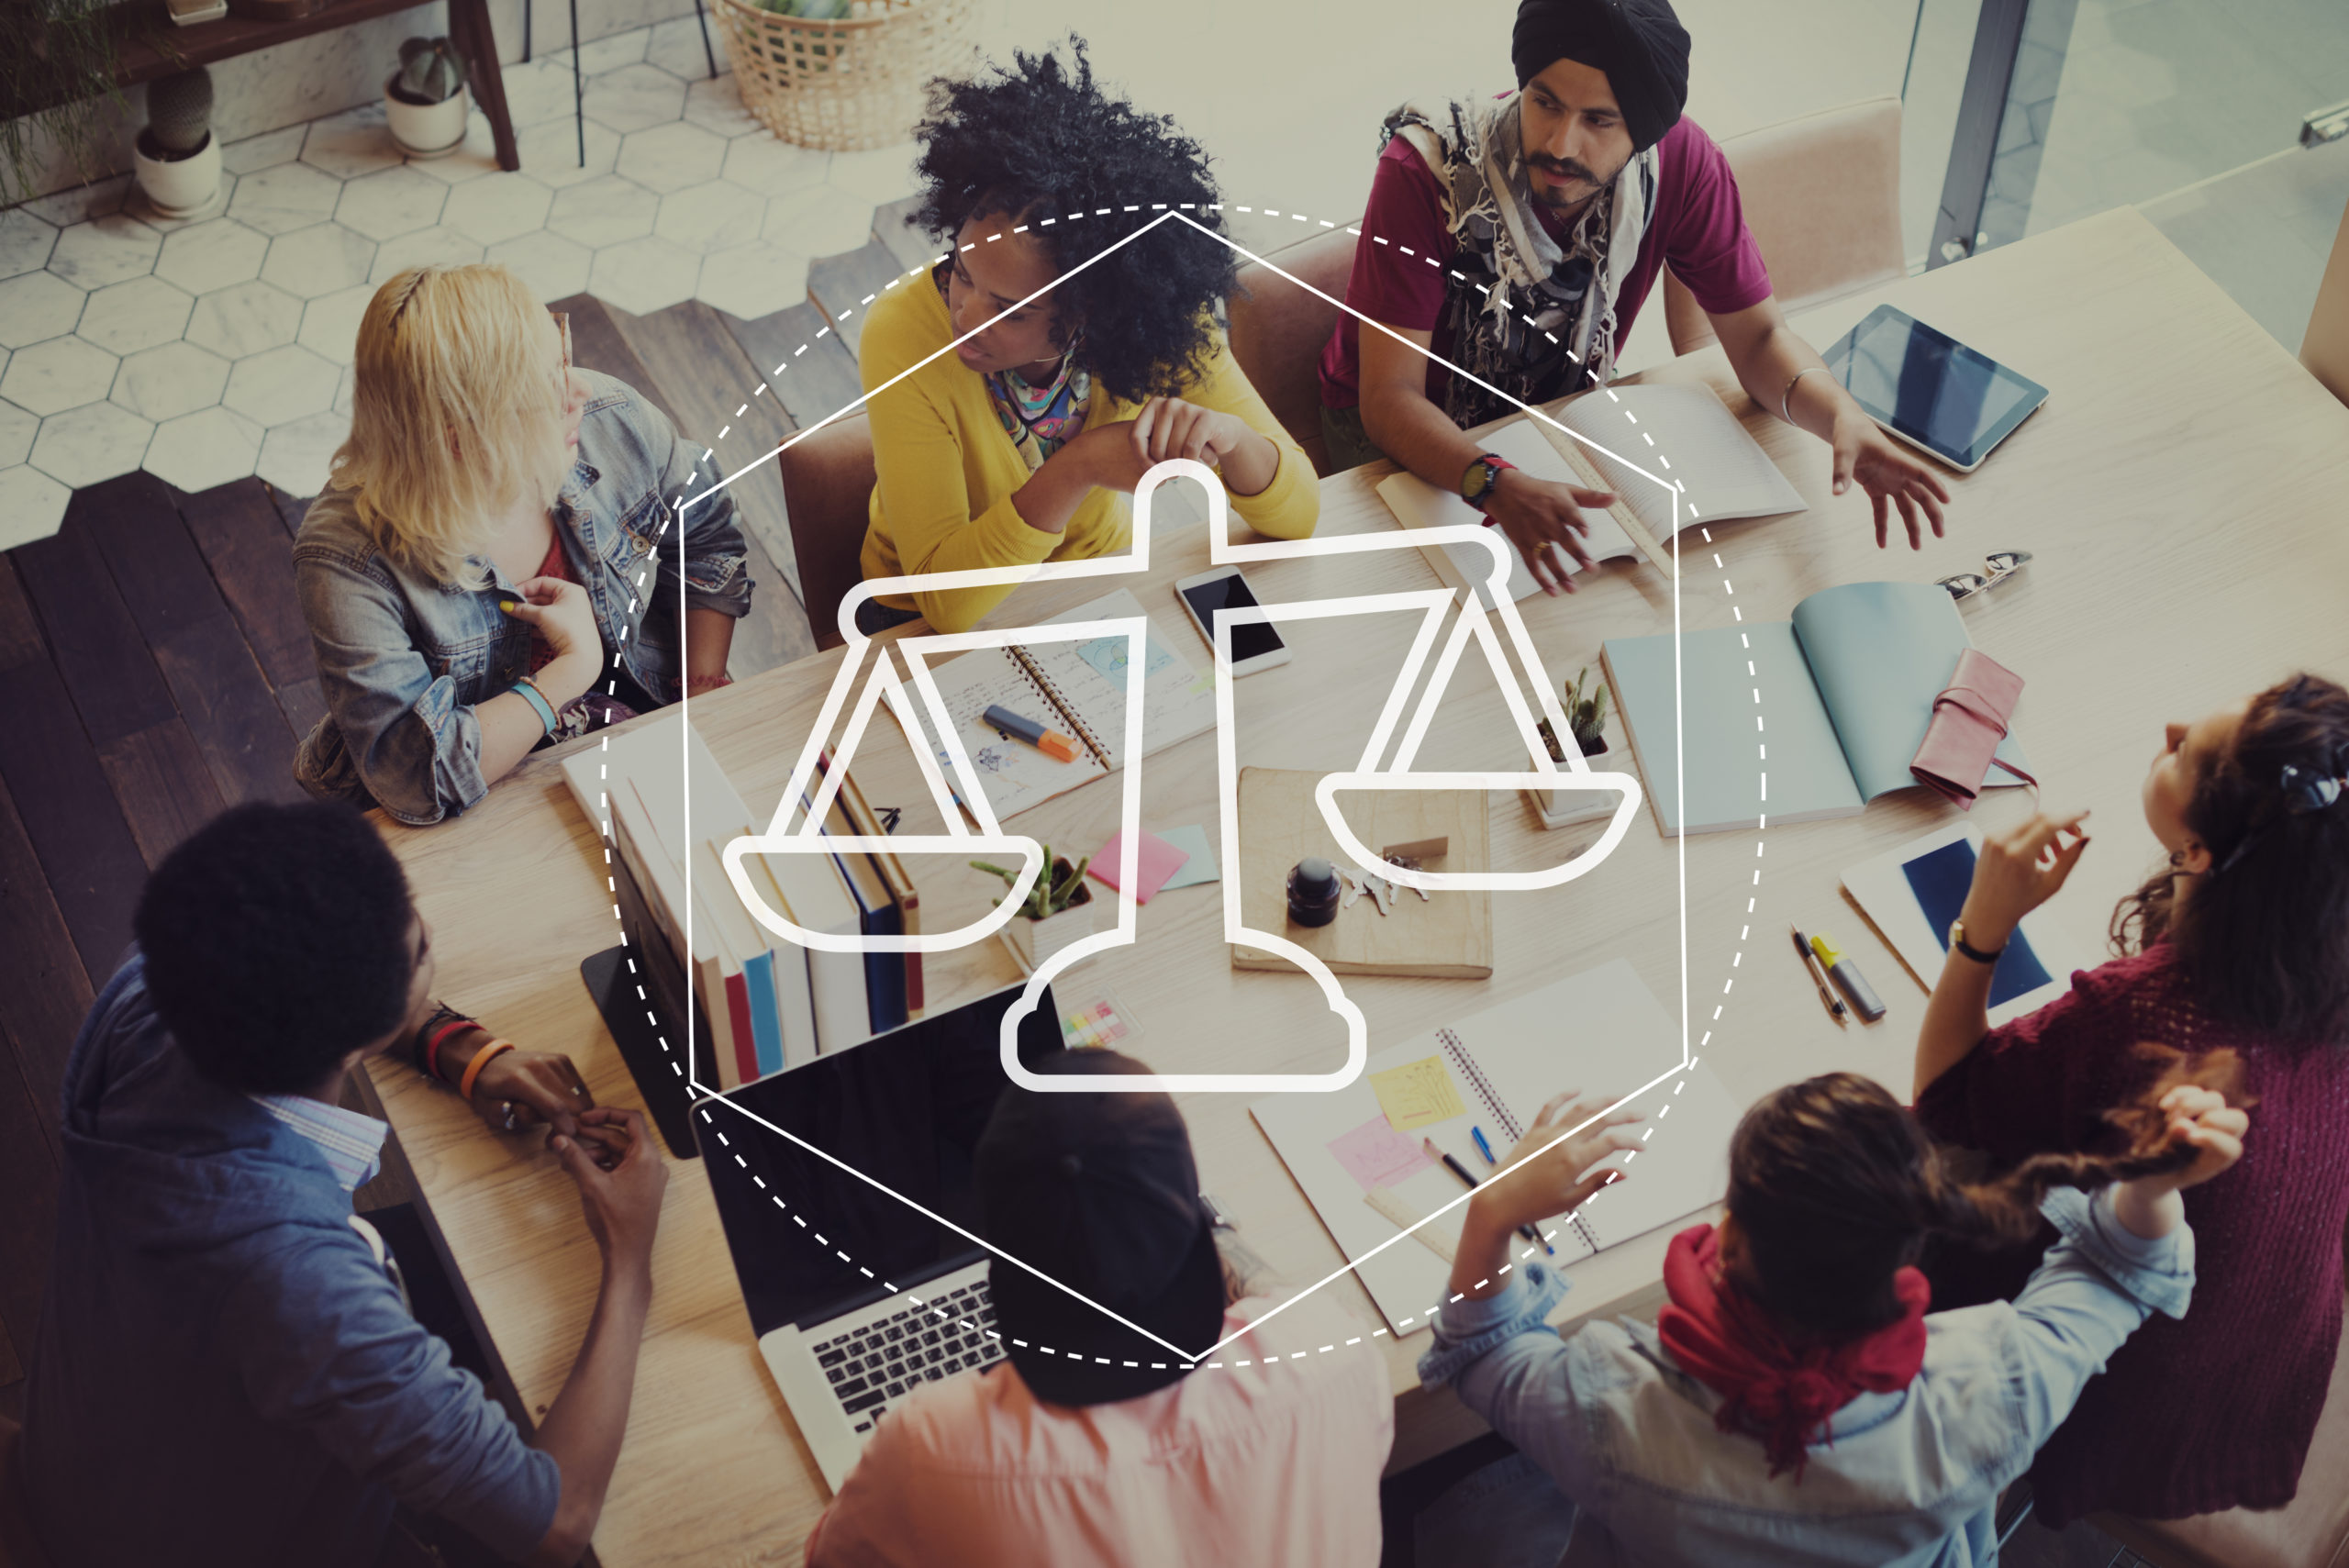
column 766, row 1030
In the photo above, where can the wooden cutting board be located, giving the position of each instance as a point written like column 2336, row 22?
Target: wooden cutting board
column 1447, row 935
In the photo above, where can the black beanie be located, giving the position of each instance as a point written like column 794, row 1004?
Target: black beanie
column 1639, row 43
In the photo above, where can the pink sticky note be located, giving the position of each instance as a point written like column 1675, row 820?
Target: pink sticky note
column 1156, row 861
column 1377, row 1156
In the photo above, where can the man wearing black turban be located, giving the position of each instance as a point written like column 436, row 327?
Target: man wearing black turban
column 1514, row 239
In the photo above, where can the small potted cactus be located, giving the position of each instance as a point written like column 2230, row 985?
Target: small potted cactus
column 1585, row 709
column 424, row 102
column 176, row 157
column 1057, row 911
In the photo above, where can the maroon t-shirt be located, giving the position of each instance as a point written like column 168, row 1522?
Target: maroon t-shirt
column 1698, row 226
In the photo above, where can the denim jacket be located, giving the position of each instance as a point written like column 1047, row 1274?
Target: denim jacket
column 405, row 659
column 1909, row 1478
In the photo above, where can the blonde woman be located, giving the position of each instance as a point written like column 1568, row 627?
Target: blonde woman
column 494, row 563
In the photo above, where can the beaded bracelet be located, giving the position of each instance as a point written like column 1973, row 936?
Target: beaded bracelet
column 481, row 1059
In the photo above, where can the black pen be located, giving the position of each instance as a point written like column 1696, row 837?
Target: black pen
column 1460, row 1171
column 1834, row 1004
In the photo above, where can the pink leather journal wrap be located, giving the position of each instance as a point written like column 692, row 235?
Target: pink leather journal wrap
column 1969, row 720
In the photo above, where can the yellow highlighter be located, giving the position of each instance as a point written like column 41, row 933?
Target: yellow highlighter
column 1848, row 979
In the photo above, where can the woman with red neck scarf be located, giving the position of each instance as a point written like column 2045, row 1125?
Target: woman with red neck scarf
column 1796, row 1400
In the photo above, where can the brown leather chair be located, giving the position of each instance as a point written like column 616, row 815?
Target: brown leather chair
column 2310, row 1531
column 2325, row 350
column 1279, row 330
column 19, row 1546
column 1822, row 199
column 827, row 495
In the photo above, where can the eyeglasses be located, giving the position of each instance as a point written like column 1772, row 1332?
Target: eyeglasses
column 2003, row 564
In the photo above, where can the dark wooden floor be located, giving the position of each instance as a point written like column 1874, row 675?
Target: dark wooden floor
column 154, row 670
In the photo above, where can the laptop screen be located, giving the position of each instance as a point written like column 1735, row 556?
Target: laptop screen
column 905, row 1109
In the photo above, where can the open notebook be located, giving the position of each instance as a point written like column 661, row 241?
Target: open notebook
column 1076, row 687
column 1358, row 1152
column 1723, row 474
column 1800, row 719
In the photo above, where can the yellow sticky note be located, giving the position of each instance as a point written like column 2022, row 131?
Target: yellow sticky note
column 1418, row 1093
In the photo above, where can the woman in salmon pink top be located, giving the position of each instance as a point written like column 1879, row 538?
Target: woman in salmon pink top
column 1095, row 1445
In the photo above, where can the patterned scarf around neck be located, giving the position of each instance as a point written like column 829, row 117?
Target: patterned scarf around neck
column 1528, row 316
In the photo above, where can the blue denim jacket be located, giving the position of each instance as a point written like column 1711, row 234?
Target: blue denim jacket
column 1911, row 1478
column 404, row 659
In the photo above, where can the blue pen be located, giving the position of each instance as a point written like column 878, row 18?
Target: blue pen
column 1482, row 1146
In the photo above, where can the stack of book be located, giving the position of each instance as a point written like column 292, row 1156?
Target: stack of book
column 760, row 1003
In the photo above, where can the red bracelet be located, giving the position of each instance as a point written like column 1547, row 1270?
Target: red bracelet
column 1498, row 462
column 432, row 1050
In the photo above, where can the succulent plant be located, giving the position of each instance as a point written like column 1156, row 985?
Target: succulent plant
column 1056, row 890
column 178, row 111
column 1585, row 706
column 430, row 71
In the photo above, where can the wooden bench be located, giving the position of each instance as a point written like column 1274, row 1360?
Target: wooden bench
column 148, row 47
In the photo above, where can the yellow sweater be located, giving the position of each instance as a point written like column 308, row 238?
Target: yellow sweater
column 947, row 471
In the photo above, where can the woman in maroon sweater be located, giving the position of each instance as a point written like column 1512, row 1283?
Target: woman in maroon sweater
column 2241, row 941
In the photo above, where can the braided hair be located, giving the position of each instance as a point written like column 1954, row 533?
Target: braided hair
column 2263, row 941
column 1836, row 1188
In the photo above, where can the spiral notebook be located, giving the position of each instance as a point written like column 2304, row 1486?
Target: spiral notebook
column 1077, row 687
column 1602, row 1032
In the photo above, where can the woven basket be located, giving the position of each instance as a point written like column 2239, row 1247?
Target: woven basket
column 847, row 84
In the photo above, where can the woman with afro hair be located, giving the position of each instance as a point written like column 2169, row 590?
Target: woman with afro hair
column 1010, row 449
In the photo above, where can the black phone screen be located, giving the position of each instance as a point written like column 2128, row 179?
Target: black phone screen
column 1230, row 591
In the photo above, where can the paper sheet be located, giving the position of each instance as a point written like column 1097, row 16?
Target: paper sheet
column 1377, row 1156
column 1200, row 867
column 1418, row 1093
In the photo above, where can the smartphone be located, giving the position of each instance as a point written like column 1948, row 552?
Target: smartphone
column 1254, row 645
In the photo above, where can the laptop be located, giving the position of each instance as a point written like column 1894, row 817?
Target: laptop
column 815, row 1247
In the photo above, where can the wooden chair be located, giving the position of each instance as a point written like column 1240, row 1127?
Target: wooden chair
column 1822, row 199
column 1279, row 330
column 2325, row 350
column 827, row 495
column 2310, row 1531
column 18, row 1547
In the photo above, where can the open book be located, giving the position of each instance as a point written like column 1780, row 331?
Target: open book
column 1722, row 471
column 1076, row 687
column 1800, row 719
column 1360, row 1156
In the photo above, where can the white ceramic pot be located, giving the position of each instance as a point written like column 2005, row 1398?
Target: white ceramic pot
column 1035, row 940
column 177, row 187
column 427, row 130
column 1564, row 808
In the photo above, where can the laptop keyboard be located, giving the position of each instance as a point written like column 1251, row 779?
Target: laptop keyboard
column 872, row 1367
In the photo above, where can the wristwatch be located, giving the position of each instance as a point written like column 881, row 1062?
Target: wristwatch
column 1958, row 942
column 1476, row 485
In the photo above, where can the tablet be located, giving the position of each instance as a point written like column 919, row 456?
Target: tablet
column 1931, row 390
column 1912, row 893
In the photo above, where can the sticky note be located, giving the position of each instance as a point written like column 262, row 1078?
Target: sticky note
column 1377, row 1156
column 1155, row 861
column 1096, row 1024
column 1418, row 1093
column 1200, row 867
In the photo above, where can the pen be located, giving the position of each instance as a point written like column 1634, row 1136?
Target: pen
column 1835, row 1008
column 1482, row 1146
column 1050, row 742
column 1460, row 1171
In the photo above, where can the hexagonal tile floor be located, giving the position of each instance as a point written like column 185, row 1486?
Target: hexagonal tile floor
column 204, row 351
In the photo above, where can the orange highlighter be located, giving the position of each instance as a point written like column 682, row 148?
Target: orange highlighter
column 1016, row 727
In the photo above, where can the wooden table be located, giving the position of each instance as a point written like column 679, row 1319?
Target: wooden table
column 2179, row 492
